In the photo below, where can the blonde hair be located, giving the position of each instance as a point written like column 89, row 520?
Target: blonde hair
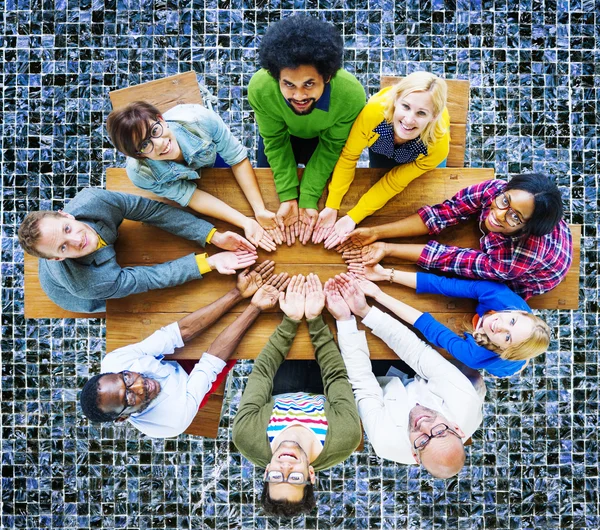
column 421, row 82
column 536, row 344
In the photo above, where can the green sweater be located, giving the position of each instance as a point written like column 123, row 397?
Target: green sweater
column 276, row 122
column 344, row 431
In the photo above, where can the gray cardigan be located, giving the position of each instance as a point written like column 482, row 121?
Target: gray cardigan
column 84, row 284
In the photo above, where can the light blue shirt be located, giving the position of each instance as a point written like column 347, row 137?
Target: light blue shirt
column 201, row 134
column 176, row 405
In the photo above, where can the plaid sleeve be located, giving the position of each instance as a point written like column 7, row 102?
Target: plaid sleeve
column 529, row 267
column 467, row 202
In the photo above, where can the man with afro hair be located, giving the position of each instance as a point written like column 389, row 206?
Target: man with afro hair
column 305, row 105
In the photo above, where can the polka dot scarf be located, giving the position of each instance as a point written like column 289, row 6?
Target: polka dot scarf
column 403, row 153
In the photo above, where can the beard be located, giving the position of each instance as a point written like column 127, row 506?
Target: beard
column 308, row 110
column 146, row 399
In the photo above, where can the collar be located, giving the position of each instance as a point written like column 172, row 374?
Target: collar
column 190, row 146
column 403, row 153
column 323, row 101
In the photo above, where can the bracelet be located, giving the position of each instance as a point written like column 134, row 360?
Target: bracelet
column 392, row 276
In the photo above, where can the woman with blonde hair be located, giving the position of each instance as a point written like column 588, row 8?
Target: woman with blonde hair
column 504, row 333
column 407, row 129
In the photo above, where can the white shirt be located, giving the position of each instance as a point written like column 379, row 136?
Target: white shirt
column 172, row 411
column 384, row 403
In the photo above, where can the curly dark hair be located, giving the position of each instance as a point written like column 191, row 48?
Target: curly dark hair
column 88, row 399
column 286, row 508
column 301, row 40
column 29, row 232
column 548, row 208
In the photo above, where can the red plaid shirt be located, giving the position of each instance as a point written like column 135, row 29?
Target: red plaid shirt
column 528, row 266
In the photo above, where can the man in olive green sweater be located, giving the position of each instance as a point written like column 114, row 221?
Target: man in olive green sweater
column 290, row 421
column 305, row 105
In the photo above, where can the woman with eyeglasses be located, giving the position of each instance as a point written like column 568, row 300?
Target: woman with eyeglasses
column 407, row 130
column 502, row 336
column 525, row 244
column 165, row 154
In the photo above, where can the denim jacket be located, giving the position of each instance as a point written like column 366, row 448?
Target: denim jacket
column 201, row 134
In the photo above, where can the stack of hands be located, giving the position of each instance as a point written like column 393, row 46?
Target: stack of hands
column 359, row 246
column 305, row 296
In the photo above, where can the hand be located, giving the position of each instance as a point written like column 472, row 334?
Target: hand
column 369, row 255
column 375, row 273
column 272, row 224
column 359, row 237
column 231, row 241
column 266, row 297
column 324, row 225
column 292, row 301
column 249, row 281
column 229, row 262
column 352, row 294
column 340, row 231
column 336, row 305
column 308, row 219
column 288, row 215
column 258, row 236
column 315, row 297
column 372, row 290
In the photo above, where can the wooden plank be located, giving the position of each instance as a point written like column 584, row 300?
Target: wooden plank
column 163, row 93
column 123, row 329
column 566, row 294
column 141, row 244
column 458, row 96
column 37, row 303
column 206, row 422
column 193, row 295
column 431, row 188
column 458, row 145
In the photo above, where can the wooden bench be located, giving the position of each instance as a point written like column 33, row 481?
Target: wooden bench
column 458, row 108
column 163, row 93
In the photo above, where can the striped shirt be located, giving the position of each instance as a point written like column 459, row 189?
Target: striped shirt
column 298, row 408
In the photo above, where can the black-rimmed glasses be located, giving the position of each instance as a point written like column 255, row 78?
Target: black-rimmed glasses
column 128, row 381
column 147, row 146
column 436, row 432
column 503, row 203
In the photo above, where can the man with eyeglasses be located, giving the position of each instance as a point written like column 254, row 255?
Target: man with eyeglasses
column 297, row 417
column 157, row 396
column 78, row 266
column 423, row 419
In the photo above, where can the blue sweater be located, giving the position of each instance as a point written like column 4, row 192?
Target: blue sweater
column 491, row 296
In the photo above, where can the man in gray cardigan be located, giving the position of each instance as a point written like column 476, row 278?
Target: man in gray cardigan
column 78, row 266
column 297, row 417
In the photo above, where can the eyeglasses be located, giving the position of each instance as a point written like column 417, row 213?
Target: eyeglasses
column 295, row 477
column 503, row 203
column 156, row 131
column 128, row 380
column 437, row 431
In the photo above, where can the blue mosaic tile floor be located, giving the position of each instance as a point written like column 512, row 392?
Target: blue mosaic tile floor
column 533, row 67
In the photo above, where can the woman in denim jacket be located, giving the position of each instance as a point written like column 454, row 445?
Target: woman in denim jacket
column 165, row 154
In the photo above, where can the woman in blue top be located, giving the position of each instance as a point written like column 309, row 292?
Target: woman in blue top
column 165, row 154
column 504, row 335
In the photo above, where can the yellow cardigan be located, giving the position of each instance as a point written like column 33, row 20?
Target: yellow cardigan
column 396, row 179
